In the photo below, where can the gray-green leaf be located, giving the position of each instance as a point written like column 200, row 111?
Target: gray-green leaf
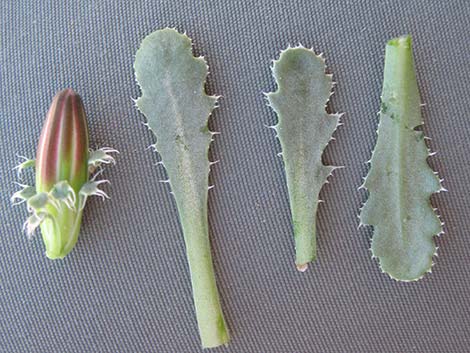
column 304, row 130
column 177, row 109
column 400, row 181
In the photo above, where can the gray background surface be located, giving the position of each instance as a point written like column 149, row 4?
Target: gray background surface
column 125, row 287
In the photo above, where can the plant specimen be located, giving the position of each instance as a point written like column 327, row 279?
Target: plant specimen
column 304, row 130
column 177, row 110
column 63, row 168
column 400, row 182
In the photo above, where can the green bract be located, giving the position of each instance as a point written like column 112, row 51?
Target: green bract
column 304, row 130
column 63, row 165
column 177, row 109
column 400, row 182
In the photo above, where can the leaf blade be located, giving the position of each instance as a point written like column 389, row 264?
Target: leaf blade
column 400, row 181
column 177, row 110
column 304, row 130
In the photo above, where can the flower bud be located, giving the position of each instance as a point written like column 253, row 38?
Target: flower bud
column 63, row 167
column 62, row 152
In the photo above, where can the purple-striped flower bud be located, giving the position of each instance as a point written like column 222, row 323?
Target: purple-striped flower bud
column 63, row 166
column 62, row 152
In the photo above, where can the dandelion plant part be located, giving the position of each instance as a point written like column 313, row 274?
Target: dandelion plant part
column 400, row 182
column 65, row 175
column 177, row 110
column 304, row 130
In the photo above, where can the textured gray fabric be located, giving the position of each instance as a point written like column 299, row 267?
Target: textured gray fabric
column 125, row 287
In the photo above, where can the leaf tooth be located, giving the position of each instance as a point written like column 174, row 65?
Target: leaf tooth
column 339, row 115
column 210, row 187
column 274, row 127
column 167, row 181
column 279, row 154
column 214, row 162
column 152, row 146
column 284, row 50
column 335, row 167
column 146, row 124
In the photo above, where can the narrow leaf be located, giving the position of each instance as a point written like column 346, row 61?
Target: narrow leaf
column 177, row 109
column 400, row 182
column 304, row 130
